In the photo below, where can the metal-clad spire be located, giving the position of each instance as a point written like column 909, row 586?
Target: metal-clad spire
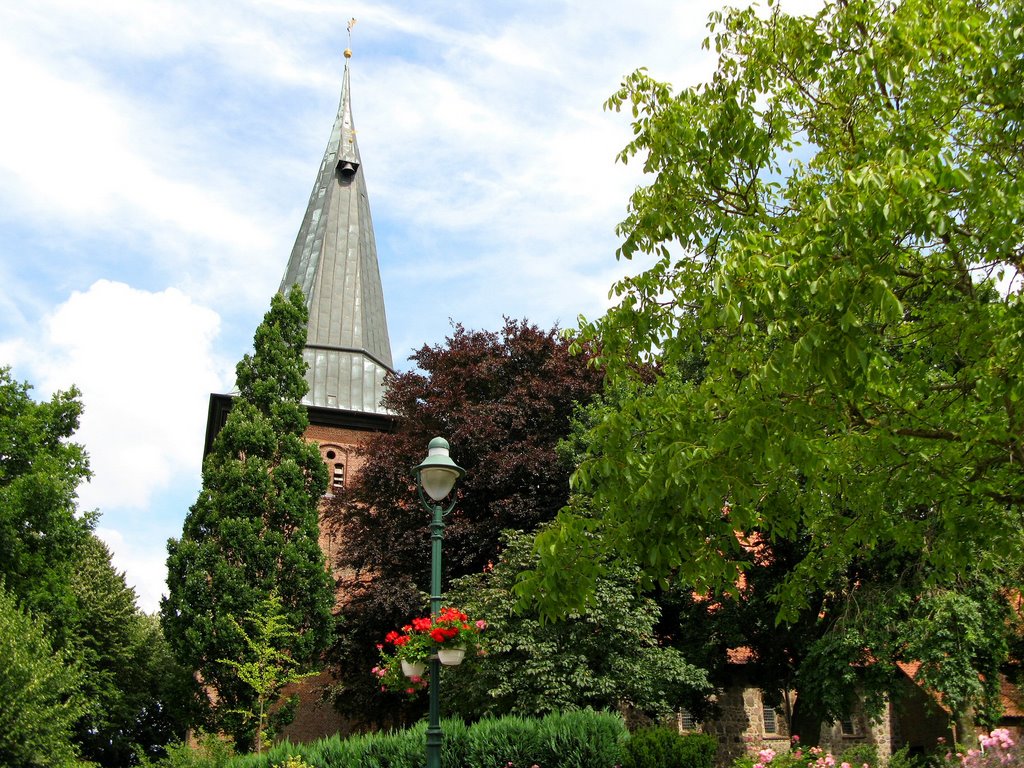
column 334, row 260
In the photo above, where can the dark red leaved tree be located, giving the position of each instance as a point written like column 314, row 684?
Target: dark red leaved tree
column 503, row 400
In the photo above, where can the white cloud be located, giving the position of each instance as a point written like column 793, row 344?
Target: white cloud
column 142, row 563
column 83, row 156
column 145, row 366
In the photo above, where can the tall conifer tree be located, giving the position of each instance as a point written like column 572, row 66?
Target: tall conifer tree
column 254, row 528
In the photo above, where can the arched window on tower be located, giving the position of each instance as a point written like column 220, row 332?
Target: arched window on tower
column 338, row 478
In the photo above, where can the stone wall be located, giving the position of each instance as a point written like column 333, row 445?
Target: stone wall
column 876, row 732
column 741, row 729
column 740, row 725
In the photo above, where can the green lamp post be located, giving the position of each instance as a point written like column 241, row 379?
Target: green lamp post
column 435, row 478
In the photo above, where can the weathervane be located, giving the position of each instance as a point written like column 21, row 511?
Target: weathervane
column 348, row 51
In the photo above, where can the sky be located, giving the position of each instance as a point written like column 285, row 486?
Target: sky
column 156, row 159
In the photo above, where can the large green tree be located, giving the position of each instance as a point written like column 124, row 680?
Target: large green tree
column 253, row 531
column 836, row 222
column 40, row 469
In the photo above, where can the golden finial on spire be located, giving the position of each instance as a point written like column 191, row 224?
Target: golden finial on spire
column 348, row 51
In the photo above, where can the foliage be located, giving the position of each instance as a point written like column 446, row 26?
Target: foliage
column 138, row 697
column 836, row 219
column 859, row 754
column 39, row 691
column 268, row 667
column 253, row 531
column 902, row 758
column 168, row 698
column 606, row 656
column 660, row 747
column 293, row 761
column 503, row 400
column 40, row 470
column 209, row 751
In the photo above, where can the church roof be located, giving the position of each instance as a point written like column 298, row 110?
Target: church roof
column 334, row 260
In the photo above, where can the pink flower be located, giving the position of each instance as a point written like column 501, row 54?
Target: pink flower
column 766, row 755
column 1002, row 736
column 845, row 765
column 481, row 624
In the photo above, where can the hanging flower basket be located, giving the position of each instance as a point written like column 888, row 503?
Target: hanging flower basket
column 413, row 668
column 404, row 655
column 451, row 657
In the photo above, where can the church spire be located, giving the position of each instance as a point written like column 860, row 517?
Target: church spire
column 334, row 260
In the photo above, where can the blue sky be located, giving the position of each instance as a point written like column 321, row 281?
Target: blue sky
column 156, row 159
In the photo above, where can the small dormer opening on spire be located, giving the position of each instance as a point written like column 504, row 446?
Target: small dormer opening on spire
column 347, row 167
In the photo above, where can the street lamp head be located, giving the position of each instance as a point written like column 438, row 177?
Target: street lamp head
column 437, row 473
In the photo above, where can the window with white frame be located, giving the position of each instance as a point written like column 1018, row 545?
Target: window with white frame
column 687, row 722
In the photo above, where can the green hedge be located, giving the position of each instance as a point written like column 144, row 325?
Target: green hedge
column 658, row 747
column 582, row 739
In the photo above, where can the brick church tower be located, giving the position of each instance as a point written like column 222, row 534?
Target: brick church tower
column 347, row 352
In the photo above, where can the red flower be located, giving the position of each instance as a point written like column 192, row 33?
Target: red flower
column 442, row 634
column 391, row 637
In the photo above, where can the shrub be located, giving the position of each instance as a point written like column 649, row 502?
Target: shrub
column 660, row 747
column 903, row 759
column 858, row 755
column 293, row 762
column 997, row 750
column 503, row 741
column 800, row 756
column 211, row 751
column 579, row 739
column 455, row 745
